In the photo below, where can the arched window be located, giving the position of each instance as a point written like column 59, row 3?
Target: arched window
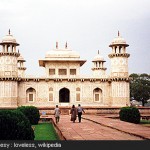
column 97, row 92
column 77, row 89
column 31, row 94
column 50, row 89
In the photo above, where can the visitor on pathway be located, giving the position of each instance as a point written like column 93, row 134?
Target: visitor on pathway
column 80, row 110
column 43, row 113
column 57, row 114
column 73, row 113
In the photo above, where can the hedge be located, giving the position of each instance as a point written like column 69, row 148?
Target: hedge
column 130, row 114
column 31, row 112
column 15, row 126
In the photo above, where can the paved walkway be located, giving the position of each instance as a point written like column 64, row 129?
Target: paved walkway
column 95, row 127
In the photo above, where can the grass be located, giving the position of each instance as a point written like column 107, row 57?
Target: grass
column 45, row 131
column 145, row 123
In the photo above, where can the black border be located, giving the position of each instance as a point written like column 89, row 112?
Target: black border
column 77, row 145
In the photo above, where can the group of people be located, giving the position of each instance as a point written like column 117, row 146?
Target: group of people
column 74, row 113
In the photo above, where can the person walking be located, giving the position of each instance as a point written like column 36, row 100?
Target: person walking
column 80, row 110
column 57, row 113
column 73, row 113
column 43, row 114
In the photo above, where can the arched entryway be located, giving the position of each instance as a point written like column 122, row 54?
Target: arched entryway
column 64, row 95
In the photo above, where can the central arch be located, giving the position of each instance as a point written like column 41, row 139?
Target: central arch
column 64, row 95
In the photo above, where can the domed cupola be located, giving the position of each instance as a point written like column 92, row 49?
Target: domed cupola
column 98, row 57
column 98, row 68
column 62, row 62
column 118, row 46
column 9, row 43
column 9, row 39
column 118, row 41
column 62, row 53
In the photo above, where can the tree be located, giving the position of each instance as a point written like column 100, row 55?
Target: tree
column 140, row 87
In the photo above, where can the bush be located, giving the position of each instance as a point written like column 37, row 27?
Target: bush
column 15, row 126
column 130, row 114
column 31, row 112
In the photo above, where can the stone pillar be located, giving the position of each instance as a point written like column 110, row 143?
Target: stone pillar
column 124, row 49
column 113, row 49
column 11, row 48
column 117, row 50
column 102, row 64
column 5, row 48
column 14, row 48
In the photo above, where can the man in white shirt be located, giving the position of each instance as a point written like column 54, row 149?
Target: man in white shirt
column 57, row 114
column 80, row 110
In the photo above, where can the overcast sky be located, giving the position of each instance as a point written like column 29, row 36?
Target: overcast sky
column 87, row 26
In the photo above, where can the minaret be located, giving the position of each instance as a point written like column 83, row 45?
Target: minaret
column 98, row 68
column 119, row 72
column 119, row 57
column 8, row 56
column 9, row 71
column 21, row 67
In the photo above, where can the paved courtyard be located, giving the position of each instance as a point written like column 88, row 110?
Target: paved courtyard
column 95, row 127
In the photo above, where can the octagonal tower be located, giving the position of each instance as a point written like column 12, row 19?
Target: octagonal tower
column 119, row 72
column 9, row 71
column 119, row 57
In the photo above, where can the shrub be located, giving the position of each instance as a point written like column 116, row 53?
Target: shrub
column 15, row 126
column 31, row 112
column 130, row 114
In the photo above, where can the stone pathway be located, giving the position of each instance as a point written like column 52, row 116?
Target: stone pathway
column 95, row 127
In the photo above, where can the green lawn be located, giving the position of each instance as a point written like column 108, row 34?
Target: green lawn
column 45, row 131
column 145, row 123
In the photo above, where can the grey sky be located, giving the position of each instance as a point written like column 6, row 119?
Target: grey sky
column 87, row 26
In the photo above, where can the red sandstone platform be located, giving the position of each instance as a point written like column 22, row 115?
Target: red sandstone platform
column 95, row 127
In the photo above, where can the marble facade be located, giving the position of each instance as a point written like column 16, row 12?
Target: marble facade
column 63, row 84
